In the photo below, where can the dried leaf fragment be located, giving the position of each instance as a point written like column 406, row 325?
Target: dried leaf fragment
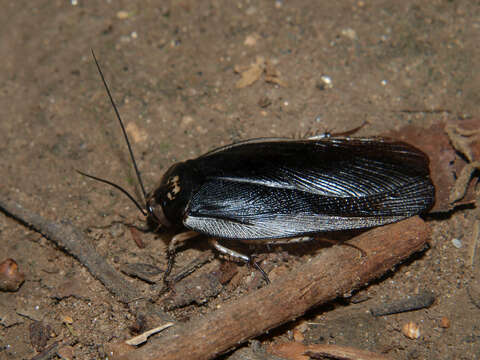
column 252, row 74
column 463, row 141
column 444, row 161
column 463, row 180
column 273, row 75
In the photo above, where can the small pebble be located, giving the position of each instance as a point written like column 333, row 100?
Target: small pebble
column 10, row 277
column 186, row 121
column 326, row 82
column 67, row 319
column 411, row 330
column 445, row 322
column 457, row 243
column 251, row 40
column 122, row 15
column 349, row 33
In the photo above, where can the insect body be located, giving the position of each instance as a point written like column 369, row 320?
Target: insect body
column 281, row 188
column 272, row 188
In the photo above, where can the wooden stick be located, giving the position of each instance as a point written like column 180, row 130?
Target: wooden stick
column 334, row 272
column 295, row 350
column 330, row 351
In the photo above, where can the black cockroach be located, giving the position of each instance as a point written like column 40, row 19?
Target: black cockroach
column 273, row 189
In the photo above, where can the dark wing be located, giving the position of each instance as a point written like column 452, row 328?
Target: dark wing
column 277, row 188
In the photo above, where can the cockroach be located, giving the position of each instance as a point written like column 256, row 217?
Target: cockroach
column 273, row 190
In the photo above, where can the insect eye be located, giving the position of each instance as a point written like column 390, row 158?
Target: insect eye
column 156, row 213
column 150, row 210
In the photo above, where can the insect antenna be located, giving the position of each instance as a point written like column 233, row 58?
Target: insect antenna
column 118, row 187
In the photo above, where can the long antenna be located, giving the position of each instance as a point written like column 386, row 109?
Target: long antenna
column 126, row 139
column 118, row 187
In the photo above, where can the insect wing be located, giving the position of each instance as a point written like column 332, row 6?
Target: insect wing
column 277, row 188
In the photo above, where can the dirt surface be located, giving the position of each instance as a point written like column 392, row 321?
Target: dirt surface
column 174, row 68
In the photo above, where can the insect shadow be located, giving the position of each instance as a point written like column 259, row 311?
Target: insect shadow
column 283, row 191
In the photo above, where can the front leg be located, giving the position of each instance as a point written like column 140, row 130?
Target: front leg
column 176, row 241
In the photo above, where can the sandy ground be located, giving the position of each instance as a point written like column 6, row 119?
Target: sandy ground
column 174, row 68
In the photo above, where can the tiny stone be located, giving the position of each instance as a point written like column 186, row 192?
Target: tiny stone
column 186, row 121
column 445, row 322
column 349, row 33
column 324, row 83
column 457, row 243
column 251, row 40
column 122, row 14
column 11, row 278
column 411, row 330
column 67, row 319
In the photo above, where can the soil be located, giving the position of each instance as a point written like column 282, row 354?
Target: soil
column 174, row 69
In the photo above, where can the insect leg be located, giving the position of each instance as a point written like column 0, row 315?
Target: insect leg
column 287, row 241
column 328, row 134
column 235, row 255
column 312, row 238
column 176, row 241
column 232, row 254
